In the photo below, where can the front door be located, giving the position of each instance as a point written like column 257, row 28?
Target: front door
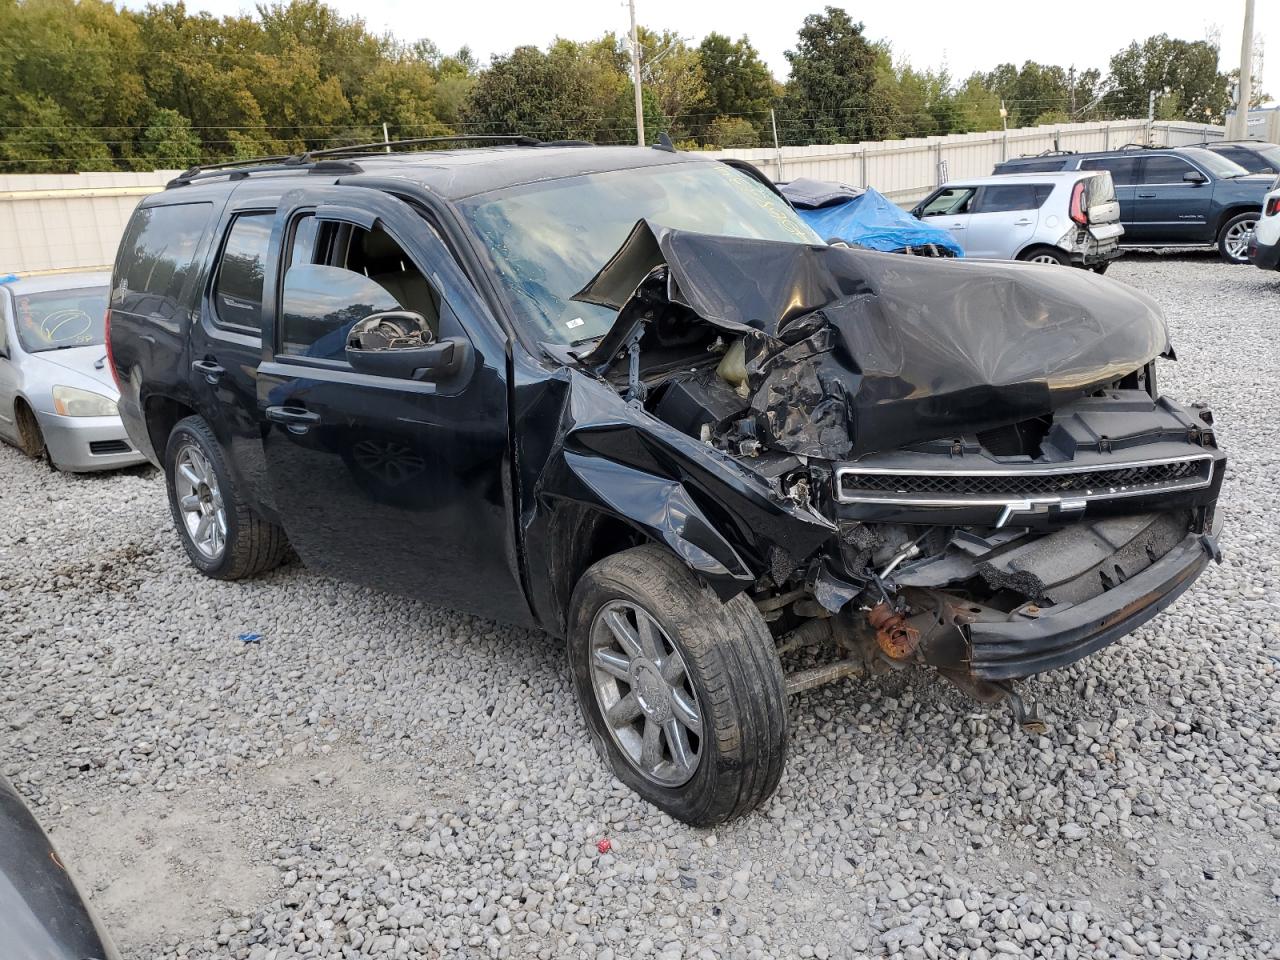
column 949, row 208
column 1169, row 209
column 395, row 479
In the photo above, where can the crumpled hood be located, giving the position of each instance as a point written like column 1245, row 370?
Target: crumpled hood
column 851, row 351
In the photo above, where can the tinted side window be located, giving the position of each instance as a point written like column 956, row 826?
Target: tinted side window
column 157, row 257
column 339, row 274
column 237, row 291
column 1165, row 170
column 1124, row 170
column 1253, row 162
column 1031, row 166
column 1004, row 198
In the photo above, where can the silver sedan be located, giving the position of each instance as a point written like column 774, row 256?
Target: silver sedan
column 57, row 396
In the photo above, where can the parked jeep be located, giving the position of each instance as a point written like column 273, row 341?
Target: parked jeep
column 1183, row 196
column 625, row 395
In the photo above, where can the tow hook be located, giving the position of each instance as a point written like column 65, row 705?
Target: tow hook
column 1027, row 717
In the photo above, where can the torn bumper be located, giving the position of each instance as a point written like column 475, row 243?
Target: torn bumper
column 1064, row 634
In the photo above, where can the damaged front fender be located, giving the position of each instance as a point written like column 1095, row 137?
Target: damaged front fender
column 612, row 460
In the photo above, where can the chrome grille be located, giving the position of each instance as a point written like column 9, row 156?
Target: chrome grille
column 951, row 487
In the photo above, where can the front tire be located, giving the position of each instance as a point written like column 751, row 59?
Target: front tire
column 1233, row 239
column 222, row 536
column 683, row 695
column 30, row 439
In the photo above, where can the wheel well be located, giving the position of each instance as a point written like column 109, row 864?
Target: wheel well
column 589, row 537
column 1031, row 248
column 1230, row 214
column 163, row 414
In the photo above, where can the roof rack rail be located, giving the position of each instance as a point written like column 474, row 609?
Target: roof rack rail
column 1143, row 146
column 382, row 145
column 316, row 161
column 241, row 169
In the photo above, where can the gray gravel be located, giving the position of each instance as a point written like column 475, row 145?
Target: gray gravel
column 382, row 777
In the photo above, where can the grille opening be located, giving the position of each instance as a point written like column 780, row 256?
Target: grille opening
column 1131, row 478
column 1017, row 439
column 101, row 448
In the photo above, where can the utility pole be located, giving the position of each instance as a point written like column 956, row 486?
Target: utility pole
column 1151, row 118
column 1240, row 129
column 635, row 76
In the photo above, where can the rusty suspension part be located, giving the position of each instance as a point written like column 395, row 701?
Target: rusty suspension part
column 894, row 635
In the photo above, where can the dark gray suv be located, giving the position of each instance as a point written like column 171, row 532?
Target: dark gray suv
column 1183, row 196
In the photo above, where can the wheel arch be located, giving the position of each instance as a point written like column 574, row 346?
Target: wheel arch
column 1230, row 214
column 1035, row 245
column 162, row 413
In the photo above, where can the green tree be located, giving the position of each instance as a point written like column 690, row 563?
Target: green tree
column 169, row 141
column 736, row 82
column 1183, row 73
column 569, row 91
column 831, row 95
column 1037, row 89
column 672, row 71
column 733, row 132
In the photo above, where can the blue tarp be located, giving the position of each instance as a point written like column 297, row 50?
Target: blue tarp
column 863, row 217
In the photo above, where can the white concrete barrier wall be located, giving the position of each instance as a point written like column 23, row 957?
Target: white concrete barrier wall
column 50, row 222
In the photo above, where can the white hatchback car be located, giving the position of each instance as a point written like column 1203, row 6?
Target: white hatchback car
column 1264, row 247
column 1068, row 217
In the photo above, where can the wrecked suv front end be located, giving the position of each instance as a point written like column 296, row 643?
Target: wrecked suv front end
column 1007, row 488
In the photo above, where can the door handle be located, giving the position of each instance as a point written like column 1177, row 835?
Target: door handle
column 297, row 419
column 212, row 372
column 1022, row 223
column 1146, row 196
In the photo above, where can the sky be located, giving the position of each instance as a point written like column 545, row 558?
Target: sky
column 967, row 37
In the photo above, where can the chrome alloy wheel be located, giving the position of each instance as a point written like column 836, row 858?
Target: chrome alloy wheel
column 644, row 694
column 1045, row 258
column 1237, row 240
column 203, row 513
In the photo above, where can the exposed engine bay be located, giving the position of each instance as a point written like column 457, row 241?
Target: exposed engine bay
column 1011, row 492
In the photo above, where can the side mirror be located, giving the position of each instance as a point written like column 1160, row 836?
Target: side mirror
column 400, row 344
column 1193, row 176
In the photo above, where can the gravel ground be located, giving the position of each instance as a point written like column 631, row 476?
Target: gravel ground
column 383, row 777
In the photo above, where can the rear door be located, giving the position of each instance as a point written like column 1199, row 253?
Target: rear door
column 948, row 208
column 1167, row 208
column 386, row 480
column 226, row 342
column 1124, row 178
column 1004, row 218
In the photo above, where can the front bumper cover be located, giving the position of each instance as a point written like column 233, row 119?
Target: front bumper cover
column 1059, row 636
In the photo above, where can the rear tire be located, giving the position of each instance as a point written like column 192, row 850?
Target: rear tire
column 702, row 658
column 223, row 538
column 30, row 439
column 1100, row 268
column 1233, row 239
column 1049, row 256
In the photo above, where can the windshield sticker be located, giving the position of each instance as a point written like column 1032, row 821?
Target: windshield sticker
column 574, row 323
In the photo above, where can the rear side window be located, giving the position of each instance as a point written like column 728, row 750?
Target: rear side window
column 1005, row 198
column 1123, row 170
column 237, row 290
column 157, row 257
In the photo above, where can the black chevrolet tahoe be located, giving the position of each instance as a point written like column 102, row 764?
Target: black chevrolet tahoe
column 626, row 396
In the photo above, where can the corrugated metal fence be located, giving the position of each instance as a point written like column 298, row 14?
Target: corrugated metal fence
column 75, row 220
column 905, row 170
